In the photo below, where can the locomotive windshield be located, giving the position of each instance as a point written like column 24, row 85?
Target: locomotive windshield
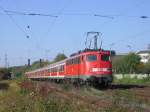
column 105, row 57
column 91, row 58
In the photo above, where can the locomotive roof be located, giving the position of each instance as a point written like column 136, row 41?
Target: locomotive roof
column 89, row 50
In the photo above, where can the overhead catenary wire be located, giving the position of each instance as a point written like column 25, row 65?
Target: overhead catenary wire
column 68, row 14
column 138, row 35
column 60, row 12
column 12, row 19
column 16, row 24
column 104, row 16
column 29, row 13
column 10, row 13
column 55, row 15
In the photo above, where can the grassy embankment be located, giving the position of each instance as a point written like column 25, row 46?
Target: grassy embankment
column 28, row 96
column 135, row 80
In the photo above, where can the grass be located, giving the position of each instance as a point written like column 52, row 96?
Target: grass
column 128, row 80
column 27, row 96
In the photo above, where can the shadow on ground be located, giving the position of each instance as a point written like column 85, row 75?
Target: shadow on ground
column 4, row 86
column 126, row 86
column 121, row 87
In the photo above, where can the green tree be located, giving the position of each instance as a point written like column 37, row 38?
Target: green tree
column 39, row 64
column 147, row 68
column 59, row 57
column 127, row 64
column 117, row 64
column 4, row 73
column 132, row 61
column 141, row 68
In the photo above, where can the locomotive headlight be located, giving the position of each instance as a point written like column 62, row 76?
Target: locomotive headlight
column 96, row 69
column 101, row 69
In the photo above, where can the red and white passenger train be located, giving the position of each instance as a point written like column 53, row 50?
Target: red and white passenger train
column 87, row 66
column 90, row 65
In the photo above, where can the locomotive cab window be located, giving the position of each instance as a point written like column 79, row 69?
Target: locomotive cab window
column 91, row 57
column 105, row 57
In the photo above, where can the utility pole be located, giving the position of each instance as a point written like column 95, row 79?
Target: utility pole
column 29, row 62
column 40, row 62
column 6, row 59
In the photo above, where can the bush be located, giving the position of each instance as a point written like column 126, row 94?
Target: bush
column 128, row 80
column 126, row 64
column 5, row 73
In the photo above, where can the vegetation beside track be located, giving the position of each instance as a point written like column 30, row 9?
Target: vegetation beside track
column 23, row 95
column 30, row 96
column 128, row 80
column 130, row 64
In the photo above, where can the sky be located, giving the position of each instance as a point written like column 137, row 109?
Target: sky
column 122, row 27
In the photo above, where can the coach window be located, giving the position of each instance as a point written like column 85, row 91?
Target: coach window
column 73, row 61
column 68, row 62
column 105, row 57
column 49, row 70
column 62, row 68
column 91, row 57
column 82, row 58
column 77, row 60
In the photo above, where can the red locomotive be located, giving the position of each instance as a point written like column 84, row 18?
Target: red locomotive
column 89, row 65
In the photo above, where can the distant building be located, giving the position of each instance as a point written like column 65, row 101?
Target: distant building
column 145, row 55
